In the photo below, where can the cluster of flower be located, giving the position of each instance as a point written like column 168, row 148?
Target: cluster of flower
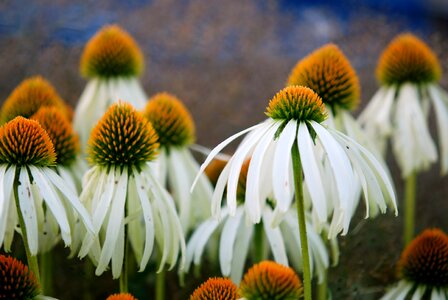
column 118, row 174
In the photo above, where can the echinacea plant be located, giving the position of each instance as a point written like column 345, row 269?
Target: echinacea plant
column 127, row 203
column 216, row 288
column 29, row 96
column 112, row 61
column 408, row 72
column 121, row 296
column 268, row 280
column 177, row 167
column 30, row 185
column 283, row 152
column 423, row 268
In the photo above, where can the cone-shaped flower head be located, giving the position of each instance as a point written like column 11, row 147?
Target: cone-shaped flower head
column 17, row 282
column 408, row 59
column 171, row 120
column 328, row 73
column 296, row 103
column 121, row 296
column 123, row 137
column 25, row 142
column 111, row 52
column 30, row 95
column 269, row 280
column 61, row 133
column 216, row 289
column 425, row 259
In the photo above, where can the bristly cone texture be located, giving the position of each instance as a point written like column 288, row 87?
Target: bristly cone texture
column 408, row 59
column 171, row 120
column 329, row 73
column 425, row 259
column 25, row 142
column 296, row 103
column 123, row 137
column 111, row 52
column 30, row 95
column 270, row 281
column 121, row 296
column 17, row 282
column 216, row 289
column 61, row 133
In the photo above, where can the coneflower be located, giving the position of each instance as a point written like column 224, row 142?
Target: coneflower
column 216, row 288
column 126, row 201
column 112, row 61
column 121, row 296
column 17, row 282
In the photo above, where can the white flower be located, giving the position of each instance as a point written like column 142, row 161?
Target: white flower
column 126, row 201
column 296, row 113
column 27, row 155
column 112, row 61
column 408, row 71
column 236, row 238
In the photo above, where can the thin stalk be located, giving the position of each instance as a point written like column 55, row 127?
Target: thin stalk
column 46, row 272
column 322, row 287
column 297, row 170
column 32, row 260
column 259, row 243
column 160, row 285
column 124, row 272
column 409, row 210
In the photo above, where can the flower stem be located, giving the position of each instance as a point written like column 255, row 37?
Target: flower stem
column 46, row 270
column 32, row 260
column 124, row 272
column 409, row 210
column 322, row 287
column 259, row 243
column 160, row 285
column 297, row 170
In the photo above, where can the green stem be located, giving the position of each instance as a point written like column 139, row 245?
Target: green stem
column 32, row 260
column 409, row 210
column 322, row 287
column 297, row 170
column 160, row 285
column 46, row 272
column 259, row 243
column 124, row 272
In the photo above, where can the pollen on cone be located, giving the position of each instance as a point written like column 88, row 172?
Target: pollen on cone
column 16, row 280
column 328, row 72
column 25, row 142
column 121, row 296
column 171, row 120
column 30, row 95
column 408, row 59
column 296, row 103
column 269, row 280
column 61, row 133
column 122, row 137
column 111, row 52
column 216, row 289
column 425, row 259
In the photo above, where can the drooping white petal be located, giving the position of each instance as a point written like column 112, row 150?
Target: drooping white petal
column 28, row 210
column 118, row 255
column 242, row 243
column 12, row 219
column 219, row 191
column 227, row 241
column 441, row 110
column 398, row 292
column 134, row 220
column 418, row 293
column 275, row 239
column 6, row 183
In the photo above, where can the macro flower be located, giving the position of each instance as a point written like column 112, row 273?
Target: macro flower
column 177, row 167
column 216, row 289
column 30, row 185
column 408, row 72
column 112, row 61
column 126, row 201
column 30, row 95
column 238, row 238
column 269, row 280
column 17, row 282
column 423, row 268
column 121, row 296
column 295, row 116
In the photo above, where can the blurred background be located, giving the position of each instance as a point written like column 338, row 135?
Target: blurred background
column 225, row 60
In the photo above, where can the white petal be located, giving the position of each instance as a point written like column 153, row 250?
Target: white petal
column 275, row 239
column 6, row 184
column 118, row 256
column 227, row 241
column 441, row 110
column 134, row 220
column 418, row 294
column 398, row 292
column 242, row 243
column 219, row 191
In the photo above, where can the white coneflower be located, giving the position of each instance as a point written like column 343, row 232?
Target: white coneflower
column 112, row 61
column 177, row 166
column 284, row 145
column 28, row 179
column 237, row 237
column 126, row 201
column 423, row 268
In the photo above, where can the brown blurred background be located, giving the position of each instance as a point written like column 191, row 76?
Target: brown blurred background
column 225, row 60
